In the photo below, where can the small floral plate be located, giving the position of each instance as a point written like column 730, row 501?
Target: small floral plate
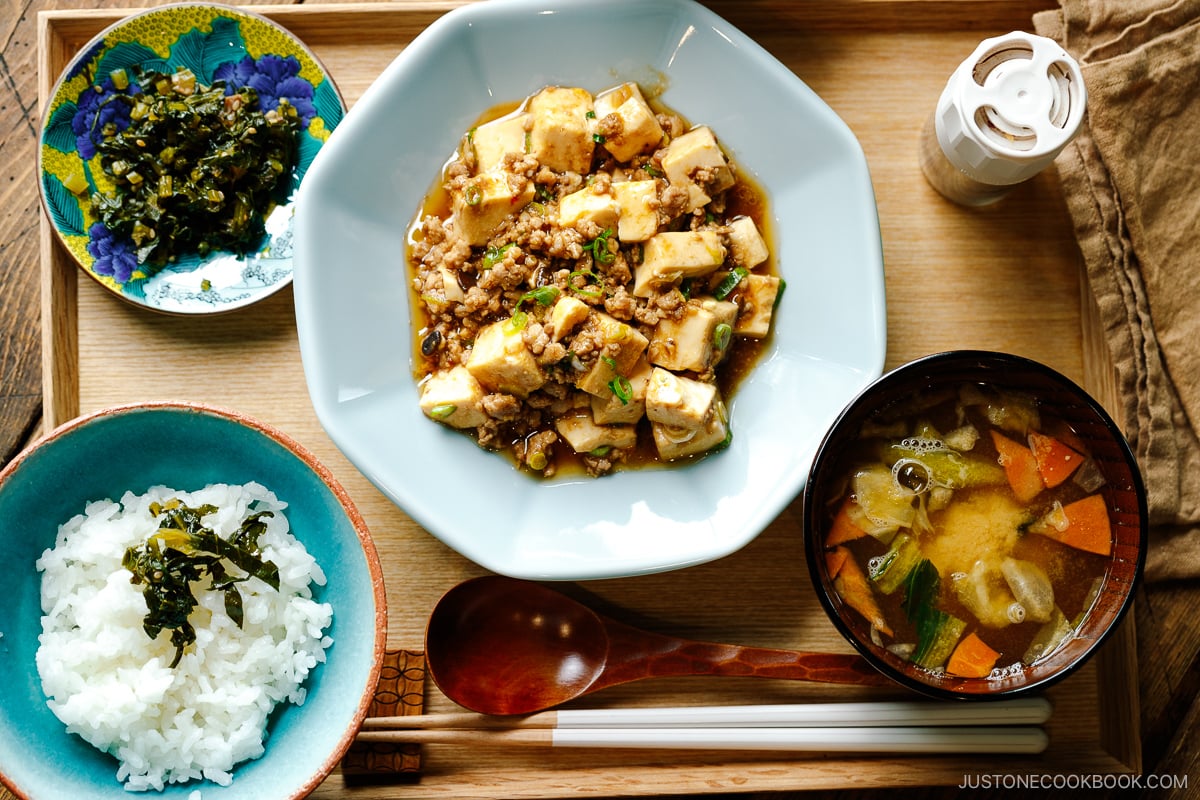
column 217, row 43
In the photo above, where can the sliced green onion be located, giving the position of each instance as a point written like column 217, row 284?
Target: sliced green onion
column 601, row 451
column 543, row 193
column 516, row 323
column 721, row 335
column 494, row 255
column 543, row 295
column 590, row 115
column 435, row 300
column 442, row 410
column 779, row 293
column 473, row 195
column 598, row 138
column 598, row 247
column 589, row 277
column 651, row 170
column 730, row 282
column 622, row 388
column 537, row 460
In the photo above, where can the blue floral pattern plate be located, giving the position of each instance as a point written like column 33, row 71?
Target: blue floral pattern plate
column 217, row 43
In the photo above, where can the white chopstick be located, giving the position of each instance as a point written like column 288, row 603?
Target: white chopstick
column 1016, row 711
column 895, row 739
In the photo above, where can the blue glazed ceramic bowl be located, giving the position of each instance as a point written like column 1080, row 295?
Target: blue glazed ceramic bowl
column 184, row 446
column 216, row 43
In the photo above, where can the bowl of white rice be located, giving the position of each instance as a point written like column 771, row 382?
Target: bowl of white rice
column 194, row 608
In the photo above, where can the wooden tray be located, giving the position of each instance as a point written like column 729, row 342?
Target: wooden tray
column 1004, row 278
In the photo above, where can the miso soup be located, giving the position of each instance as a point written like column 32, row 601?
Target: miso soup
column 971, row 536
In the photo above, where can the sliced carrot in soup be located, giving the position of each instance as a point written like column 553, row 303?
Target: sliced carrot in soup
column 855, row 588
column 834, row 559
column 1085, row 526
column 1056, row 461
column 843, row 528
column 972, row 658
column 1020, row 466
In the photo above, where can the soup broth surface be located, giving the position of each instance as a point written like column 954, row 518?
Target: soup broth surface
column 971, row 536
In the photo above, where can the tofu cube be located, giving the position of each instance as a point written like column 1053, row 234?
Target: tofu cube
column 637, row 209
column 486, row 201
column 585, row 435
column 679, row 402
column 612, row 410
column 492, row 140
column 454, row 397
column 746, row 246
column 635, row 129
column 567, row 314
column 691, row 342
column 675, row 443
column 624, row 346
column 501, row 362
column 695, row 161
column 560, row 136
column 758, row 305
column 586, row 204
column 667, row 257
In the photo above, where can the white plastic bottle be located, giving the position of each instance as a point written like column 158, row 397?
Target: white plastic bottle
column 1005, row 113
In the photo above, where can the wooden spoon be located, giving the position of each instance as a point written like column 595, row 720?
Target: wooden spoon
column 498, row 645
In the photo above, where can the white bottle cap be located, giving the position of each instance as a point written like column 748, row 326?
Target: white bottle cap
column 1009, row 109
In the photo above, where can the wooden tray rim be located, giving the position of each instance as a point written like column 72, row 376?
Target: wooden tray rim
column 1119, row 740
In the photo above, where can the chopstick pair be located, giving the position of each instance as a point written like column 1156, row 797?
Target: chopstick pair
column 1005, row 726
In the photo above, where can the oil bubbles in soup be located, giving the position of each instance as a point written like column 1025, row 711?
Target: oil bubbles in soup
column 971, row 535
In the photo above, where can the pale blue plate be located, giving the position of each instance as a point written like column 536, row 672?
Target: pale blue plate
column 352, row 292
column 132, row 448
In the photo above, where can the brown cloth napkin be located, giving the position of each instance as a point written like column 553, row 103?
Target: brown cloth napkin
column 1132, row 183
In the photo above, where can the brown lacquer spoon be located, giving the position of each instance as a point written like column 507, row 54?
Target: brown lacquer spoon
column 499, row 645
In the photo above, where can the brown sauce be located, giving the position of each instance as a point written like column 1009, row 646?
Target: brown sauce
column 745, row 198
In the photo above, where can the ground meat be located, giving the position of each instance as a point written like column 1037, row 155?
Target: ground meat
column 537, row 452
column 672, row 202
column 621, row 304
column 554, row 353
column 670, row 302
column 529, row 262
column 601, row 183
column 503, row 407
column 478, row 300
column 610, row 126
column 587, row 343
column 508, row 273
column 671, row 124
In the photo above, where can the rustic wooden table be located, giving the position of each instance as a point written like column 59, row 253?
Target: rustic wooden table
column 1167, row 640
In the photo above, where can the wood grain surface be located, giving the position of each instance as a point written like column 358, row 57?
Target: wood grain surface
column 1006, row 278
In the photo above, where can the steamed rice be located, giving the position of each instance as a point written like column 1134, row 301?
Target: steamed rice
column 112, row 685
